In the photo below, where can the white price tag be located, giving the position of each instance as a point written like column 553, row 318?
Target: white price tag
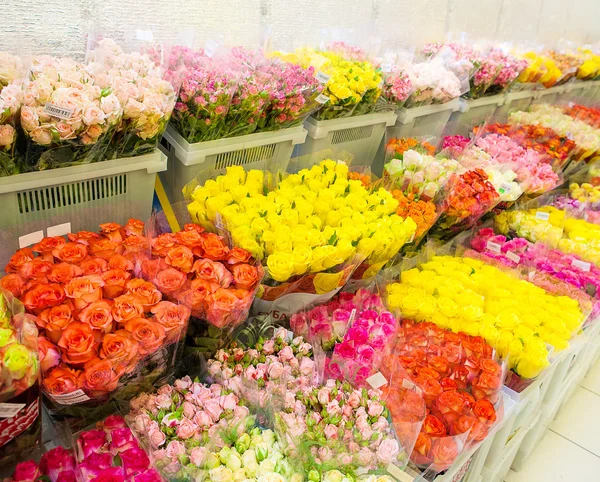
column 289, row 336
column 322, row 99
column 9, row 410
column 57, row 111
column 504, row 187
column 377, row 380
column 582, row 265
column 412, row 238
column 399, row 474
column 219, row 222
column 77, row 396
column 352, row 315
column 59, row 230
column 495, row 247
column 323, row 78
column 542, row 215
column 31, row 238
column 145, row 35
column 513, row 257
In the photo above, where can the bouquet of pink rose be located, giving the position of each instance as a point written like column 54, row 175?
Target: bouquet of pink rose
column 56, row 465
column 11, row 97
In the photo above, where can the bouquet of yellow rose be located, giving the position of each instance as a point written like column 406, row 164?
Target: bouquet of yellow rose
column 544, row 224
column 353, row 85
column 517, row 318
column 311, row 231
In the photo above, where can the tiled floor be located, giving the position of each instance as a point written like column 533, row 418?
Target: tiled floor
column 570, row 450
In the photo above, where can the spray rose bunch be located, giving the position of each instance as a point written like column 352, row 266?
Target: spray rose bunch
column 11, row 98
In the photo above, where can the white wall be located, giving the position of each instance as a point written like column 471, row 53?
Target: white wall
column 60, row 26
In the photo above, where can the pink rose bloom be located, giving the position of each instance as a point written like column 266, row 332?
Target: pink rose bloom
column 345, row 349
column 323, row 396
column 286, row 354
column 228, row 402
column 113, row 422
column 331, row 432
column 241, row 412
column 156, row 436
column 163, row 401
column 186, row 429
column 269, row 347
column 150, row 475
column 170, row 420
column 112, row 474
column 381, row 425
column 333, row 408
column 121, row 440
column 135, row 461
column 388, row 451
column 26, row 472
column 67, row 476
column 354, row 399
column 213, row 409
column 203, row 419
column 275, row 370
column 139, row 402
column 159, row 454
column 198, row 455
column 307, row 366
column 366, row 458
column 93, row 465
column 374, row 408
column 325, row 454
column 175, row 449
column 347, row 411
column 89, row 442
column 184, row 383
column 165, row 390
column 365, row 354
column 189, row 410
column 362, row 424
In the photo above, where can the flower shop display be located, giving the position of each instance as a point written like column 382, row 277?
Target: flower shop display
column 11, row 97
column 461, row 385
column 56, row 465
column 352, row 83
column 545, row 224
column 514, row 316
column 146, row 98
column 432, row 83
column 103, row 331
column 397, row 88
column 310, row 232
column 226, row 97
column 541, row 70
column 20, row 416
column 198, row 270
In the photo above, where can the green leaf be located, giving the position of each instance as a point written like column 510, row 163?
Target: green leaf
column 117, row 461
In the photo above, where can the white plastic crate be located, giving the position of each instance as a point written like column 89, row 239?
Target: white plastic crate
column 549, row 96
column 84, row 196
column 577, row 91
column 360, row 136
column 514, row 101
column 473, row 112
column 262, row 150
column 497, row 472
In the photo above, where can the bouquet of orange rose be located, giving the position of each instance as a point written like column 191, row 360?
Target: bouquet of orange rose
column 104, row 332
column 198, row 269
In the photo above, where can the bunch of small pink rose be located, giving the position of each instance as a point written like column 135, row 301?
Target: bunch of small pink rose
column 533, row 171
column 334, row 426
column 396, row 88
column 511, row 68
column 56, row 465
column 326, row 324
column 180, row 421
column 111, row 453
column 270, row 363
column 365, row 343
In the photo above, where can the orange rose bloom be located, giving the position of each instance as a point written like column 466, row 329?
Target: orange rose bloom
column 83, row 237
column 61, row 381
column 423, row 444
column 43, row 296
column 18, row 259
column 119, row 348
column 62, row 273
column 93, row 266
column 214, row 247
column 78, row 343
column 190, row 238
column 485, row 411
column 71, row 252
column 193, row 227
column 443, row 452
column 134, row 227
column 170, row 280
column 434, row 426
column 245, row 276
column 181, row 258
column 115, row 280
column 85, row 290
column 163, row 243
column 127, row 307
column 149, row 335
column 99, row 376
column 48, row 245
column 172, row 317
column 55, row 320
column 105, row 248
column 136, row 244
column 12, row 282
column 223, row 308
column 146, row 291
column 118, row 261
column 112, row 231
column 201, row 291
column 98, row 316
column 238, row 255
column 213, row 272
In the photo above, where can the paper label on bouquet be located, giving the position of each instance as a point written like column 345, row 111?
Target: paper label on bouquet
column 57, row 111
column 145, row 35
column 582, row 265
column 59, row 230
column 377, row 380
column 9, row 410
column 77, row 396
column 542, row 215
column 513, row 257
column 352, row 315
column 495, row 247
column 322, row 99
column 504, row 187
column 31, row 238
column 412, row 238
column 323, row 78
column 399, row 474
column 219, row 222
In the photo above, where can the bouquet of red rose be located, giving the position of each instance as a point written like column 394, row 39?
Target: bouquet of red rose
column 461, row 384
column 197, row 269
column 103, row 331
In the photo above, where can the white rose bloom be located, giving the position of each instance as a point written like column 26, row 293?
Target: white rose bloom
column 221, row 474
